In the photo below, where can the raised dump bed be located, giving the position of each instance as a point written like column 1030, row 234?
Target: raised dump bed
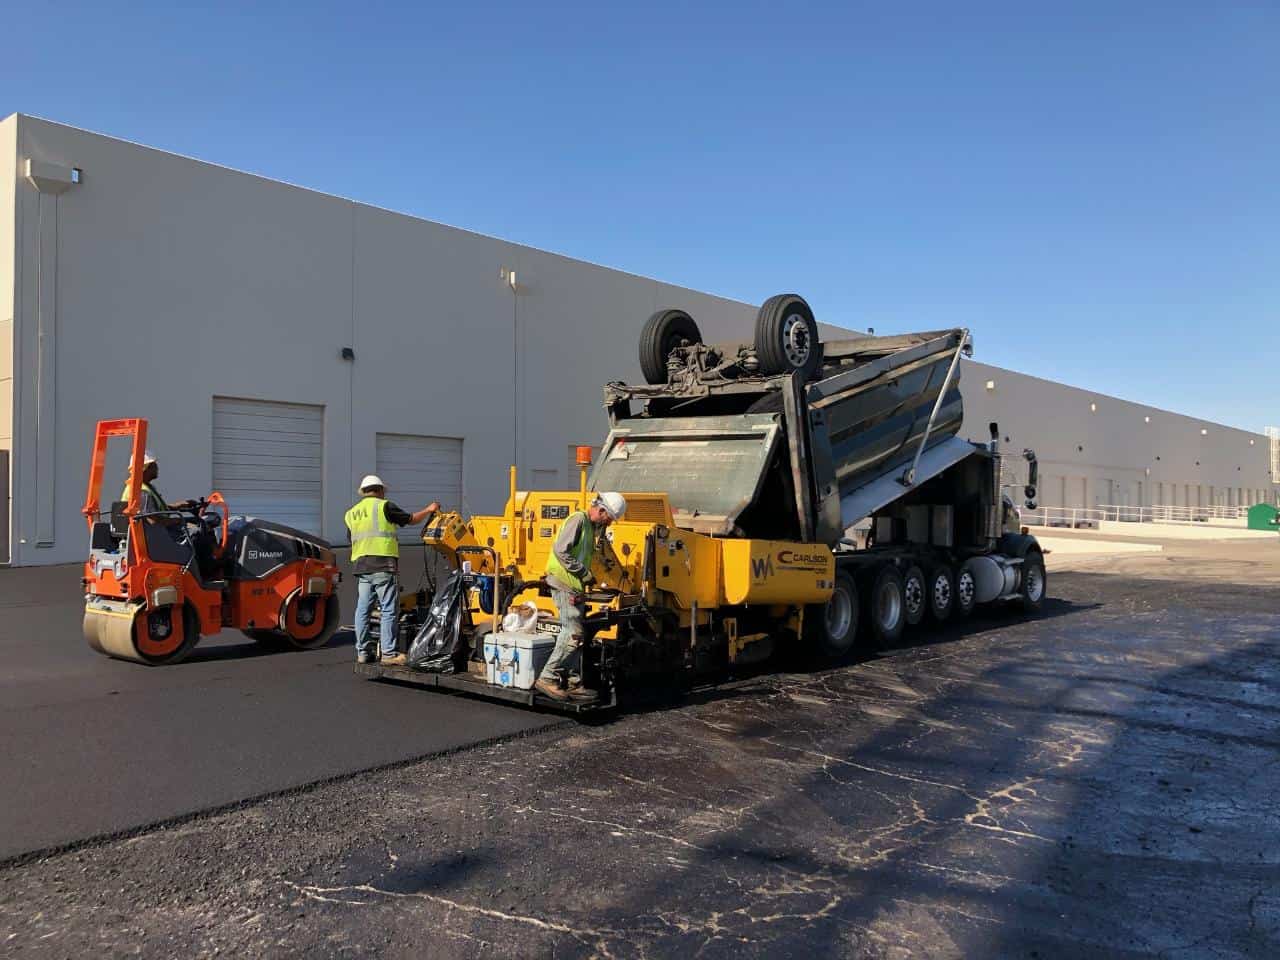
column 730, row 443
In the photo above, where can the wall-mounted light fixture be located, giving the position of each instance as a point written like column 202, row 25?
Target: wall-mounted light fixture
column 1204, row 431
column 1147, row 418
column 991, row 384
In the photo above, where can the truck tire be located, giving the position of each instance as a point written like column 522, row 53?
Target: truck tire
column 833, row 626
column 1035, row 582
column 886, row 611
column 662, row 333
column 915, row 595
column 966, row 591
column 941, row 592
column 787, row 336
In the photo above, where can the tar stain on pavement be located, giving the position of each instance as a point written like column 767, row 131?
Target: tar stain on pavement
column 1099, row 782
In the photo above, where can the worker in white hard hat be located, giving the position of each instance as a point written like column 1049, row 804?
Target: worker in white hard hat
column 375, row 554
column 149, row 497
column 569, row 575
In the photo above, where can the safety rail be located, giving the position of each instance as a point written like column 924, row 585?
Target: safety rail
column 1089, row 516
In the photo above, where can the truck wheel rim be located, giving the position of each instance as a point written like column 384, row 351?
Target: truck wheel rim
column 941, row 593
column 795, row 340
column 913, row 594
column 839, row 614
column 888, row 606
column 964, row 586
column 1035, row 584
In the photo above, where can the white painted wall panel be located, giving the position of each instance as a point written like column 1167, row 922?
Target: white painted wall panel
column 8, row 252
column 418, row 470
column 268, row 460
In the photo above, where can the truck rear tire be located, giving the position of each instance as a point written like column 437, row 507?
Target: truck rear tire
column 833, row 627
column 886, row 611
column 1035, row 582
column 662, row 333
column 914, row 595
column 966, row 591
column 941, row 593
column 787, row 336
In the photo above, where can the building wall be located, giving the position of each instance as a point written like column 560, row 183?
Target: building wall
column 178, row 281
column 1113, row 454
column 8, row 193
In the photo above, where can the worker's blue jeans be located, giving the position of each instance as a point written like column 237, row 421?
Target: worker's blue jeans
column 381, row 587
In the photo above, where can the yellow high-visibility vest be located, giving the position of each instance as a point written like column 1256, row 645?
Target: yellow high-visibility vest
column 371, row 534
column 157, row 500
column 582, row 550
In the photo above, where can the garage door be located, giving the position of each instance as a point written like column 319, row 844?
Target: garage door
column 267, row 459
column 418, row 470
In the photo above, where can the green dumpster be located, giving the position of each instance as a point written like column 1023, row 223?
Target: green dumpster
column 1263, row 516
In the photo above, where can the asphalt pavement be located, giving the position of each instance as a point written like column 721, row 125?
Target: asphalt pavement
column 1099, row 781
column 94, row 746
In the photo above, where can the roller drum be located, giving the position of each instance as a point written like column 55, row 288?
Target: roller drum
column 127, row 630
column 109, row 626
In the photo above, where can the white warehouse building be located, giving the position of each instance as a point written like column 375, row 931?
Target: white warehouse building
column 282, row 343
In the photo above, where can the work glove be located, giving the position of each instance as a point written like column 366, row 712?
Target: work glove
column 588, row 578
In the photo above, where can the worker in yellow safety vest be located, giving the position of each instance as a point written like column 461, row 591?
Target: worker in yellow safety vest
column 149, row 499
column 569, row 575
column 375, row 555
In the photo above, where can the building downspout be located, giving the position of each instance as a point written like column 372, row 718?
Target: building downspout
column 50, row 181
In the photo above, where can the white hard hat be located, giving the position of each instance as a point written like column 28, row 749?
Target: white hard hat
column 148, row 457
column 614, row 504
column 371, row 480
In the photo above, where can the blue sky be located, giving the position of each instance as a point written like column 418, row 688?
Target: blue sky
column 1094, row 188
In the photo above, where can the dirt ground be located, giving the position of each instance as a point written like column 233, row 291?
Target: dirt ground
column 1102, row 781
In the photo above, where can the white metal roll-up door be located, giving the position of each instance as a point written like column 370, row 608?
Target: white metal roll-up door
column 418, row 470
column 267, row 460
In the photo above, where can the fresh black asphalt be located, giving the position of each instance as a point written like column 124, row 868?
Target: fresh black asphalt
column 93, row 746
column 1099, row 781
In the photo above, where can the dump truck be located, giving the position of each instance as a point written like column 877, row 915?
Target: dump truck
column 783, row 494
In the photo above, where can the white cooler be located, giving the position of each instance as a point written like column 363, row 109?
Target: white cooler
column 514, row 658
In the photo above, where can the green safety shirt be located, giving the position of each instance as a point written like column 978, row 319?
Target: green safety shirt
column 372, row 534
column 570, row 556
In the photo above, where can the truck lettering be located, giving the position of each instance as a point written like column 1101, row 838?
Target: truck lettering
column 790, row 556
column 761, row 567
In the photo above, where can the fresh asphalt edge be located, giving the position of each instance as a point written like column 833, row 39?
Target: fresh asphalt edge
column 181, row 819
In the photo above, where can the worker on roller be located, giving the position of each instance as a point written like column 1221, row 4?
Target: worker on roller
column 569, row 575
column 375, row 554
column 149, row 499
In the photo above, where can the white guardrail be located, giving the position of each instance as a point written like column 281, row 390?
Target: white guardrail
column 1089, row 516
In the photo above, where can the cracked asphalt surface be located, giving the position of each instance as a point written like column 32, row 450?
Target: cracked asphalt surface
column 1100, row 782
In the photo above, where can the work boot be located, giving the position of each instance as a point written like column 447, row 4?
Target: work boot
column 582, row 694
column 364, row 657
column 550, row 689
column 394, row 660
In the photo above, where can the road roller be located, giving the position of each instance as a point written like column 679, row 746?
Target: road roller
column 157, row 581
